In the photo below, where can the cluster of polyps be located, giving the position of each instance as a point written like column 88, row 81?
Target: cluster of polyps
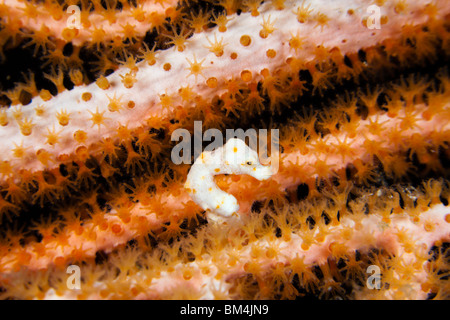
column 252, row 48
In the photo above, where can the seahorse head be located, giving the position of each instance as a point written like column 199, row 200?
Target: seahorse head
column 238, row 158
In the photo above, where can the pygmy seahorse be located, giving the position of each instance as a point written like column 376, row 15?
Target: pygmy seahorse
column 235, row 157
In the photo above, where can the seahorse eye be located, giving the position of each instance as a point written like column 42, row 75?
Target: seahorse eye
column 249, row 163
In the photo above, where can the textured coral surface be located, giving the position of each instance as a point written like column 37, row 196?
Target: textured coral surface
column 358, row 89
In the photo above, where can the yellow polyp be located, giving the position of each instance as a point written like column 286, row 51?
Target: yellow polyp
column 128, row 80
column 40, row 110
column 80, row 136
column 265, row 72
column 216, row 47
column 3, row 118
column 97, row 118
column 268, row 28
column 114, row 103
column 63, row 118
column 102, row 83
column 380, row 3
column 167, row 66
column 211, row 82
column 43, row 156
column 186, row 93
column 187, row 274
column 322, row 20
column 428, row 226
column 123, row 133
column 139, row 15
column 17, row 113
column 195, row 67
column 52, row 137
column 26, row 127
column 430, row 10
column 69, row 34
column 303, row 13
column 246, row 75
column 45, row 95
column 178, row 40
column 5, row 168
column 129, row 32
column 296, row 42
column 131, row 104
column 221, row 20
column 279, row 4
column 76, row 76
column 447, row 218
column 148, row 55
column 271, row 253
column 63, row 157
column 82, row 153
column 400, row 6
column 245, row 40
column 321, row 53
column 86, row 96
column 57, row 78
column 116, row 228
column 271, row 53
column 233, row 55
column 165, row 100
column 19, row 151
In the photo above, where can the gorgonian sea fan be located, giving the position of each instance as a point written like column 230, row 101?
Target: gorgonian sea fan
column 359, row 91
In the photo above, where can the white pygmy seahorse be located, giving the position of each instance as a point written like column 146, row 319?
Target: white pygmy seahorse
column 235, row 157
